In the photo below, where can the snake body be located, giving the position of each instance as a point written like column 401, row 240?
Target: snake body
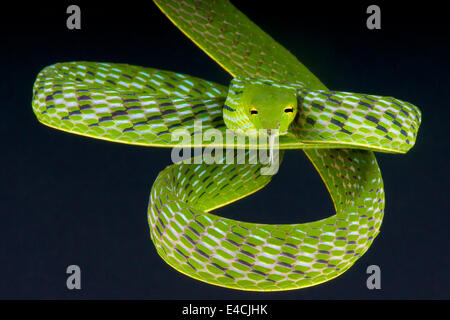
column 337, row 130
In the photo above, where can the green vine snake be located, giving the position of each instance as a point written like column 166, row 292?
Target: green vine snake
column 270, row 89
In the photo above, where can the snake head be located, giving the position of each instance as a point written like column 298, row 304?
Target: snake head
column 256, row 104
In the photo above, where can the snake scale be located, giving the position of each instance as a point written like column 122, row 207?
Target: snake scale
column 338, row 131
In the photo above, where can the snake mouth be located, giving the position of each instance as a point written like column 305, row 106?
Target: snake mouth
column 271, row 132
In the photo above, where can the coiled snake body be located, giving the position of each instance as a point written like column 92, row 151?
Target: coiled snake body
column 270, row 89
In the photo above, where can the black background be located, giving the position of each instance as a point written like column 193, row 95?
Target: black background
column 67, row 199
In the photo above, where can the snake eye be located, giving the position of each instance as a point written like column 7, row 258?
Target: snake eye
column 289, row 110
column 253, row 111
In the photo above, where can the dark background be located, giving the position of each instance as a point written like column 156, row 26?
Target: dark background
column 67, row 199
